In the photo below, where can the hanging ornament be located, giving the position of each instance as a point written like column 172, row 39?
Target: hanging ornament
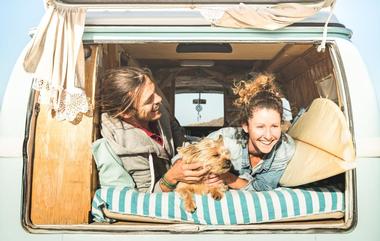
column 198, row 108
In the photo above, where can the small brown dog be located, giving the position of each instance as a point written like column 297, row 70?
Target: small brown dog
column 214, row 156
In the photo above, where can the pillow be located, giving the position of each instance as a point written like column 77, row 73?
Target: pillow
column 236, row 207
column 324, row 145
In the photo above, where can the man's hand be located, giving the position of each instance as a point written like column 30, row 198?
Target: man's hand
column 188, row 173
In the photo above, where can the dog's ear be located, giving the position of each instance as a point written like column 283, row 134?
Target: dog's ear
column 220, row 139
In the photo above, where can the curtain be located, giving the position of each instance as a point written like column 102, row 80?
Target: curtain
column 269, row 17
column 56, row 59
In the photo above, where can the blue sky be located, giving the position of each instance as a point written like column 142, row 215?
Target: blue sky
column 19, row 16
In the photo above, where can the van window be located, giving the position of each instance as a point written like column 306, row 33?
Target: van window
column 59, row 155
column 199, row 109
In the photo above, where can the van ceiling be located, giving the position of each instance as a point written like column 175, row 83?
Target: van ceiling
column 240, row 51
column 164, row 60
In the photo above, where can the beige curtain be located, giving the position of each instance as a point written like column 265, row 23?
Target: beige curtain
column 272, row 17
column 56, row 58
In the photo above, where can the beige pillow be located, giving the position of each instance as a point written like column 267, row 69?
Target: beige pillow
column 324, row 145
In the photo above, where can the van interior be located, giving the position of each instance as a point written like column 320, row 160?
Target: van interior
column 192, row 77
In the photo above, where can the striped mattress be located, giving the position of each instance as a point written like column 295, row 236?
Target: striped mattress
column 236, row 207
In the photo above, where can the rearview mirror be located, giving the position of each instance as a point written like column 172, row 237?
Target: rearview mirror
column 199, row 101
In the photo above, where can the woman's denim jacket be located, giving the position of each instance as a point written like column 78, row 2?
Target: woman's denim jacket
column 268, row 175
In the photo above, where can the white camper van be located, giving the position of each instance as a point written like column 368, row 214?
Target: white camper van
column 195, row 50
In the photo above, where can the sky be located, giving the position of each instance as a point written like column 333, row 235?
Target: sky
column 17, row 17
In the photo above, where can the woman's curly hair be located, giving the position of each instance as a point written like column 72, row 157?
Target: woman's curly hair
column 258, row 92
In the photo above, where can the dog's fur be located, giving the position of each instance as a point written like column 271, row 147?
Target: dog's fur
column 214, row 156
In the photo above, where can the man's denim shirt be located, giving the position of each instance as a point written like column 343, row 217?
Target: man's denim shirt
column 274, row 163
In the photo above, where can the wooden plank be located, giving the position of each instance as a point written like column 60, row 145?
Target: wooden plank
column 286, row 56
column 298, row 78
column 92, row 84
column 62, row 179
column 111, row 57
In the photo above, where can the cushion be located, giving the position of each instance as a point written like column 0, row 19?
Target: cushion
column 324, row 145
column 236, row 207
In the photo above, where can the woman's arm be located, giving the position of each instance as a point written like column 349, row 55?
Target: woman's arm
column 261, row 182
column 234, row 181
column 230, row 179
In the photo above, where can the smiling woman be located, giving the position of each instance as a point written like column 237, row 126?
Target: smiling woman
column 264, row 130
column 264, row 150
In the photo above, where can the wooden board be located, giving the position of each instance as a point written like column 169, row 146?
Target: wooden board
column 286, row 56
column 298, row 78
column 62, row 175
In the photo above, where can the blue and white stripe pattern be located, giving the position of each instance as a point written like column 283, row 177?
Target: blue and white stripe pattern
column 236, row 207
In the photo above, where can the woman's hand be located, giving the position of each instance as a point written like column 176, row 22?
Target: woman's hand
column 188, row 173
column 233, row 181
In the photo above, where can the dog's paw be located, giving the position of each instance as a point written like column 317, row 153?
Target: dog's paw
column 217, row 195
column 190, row 206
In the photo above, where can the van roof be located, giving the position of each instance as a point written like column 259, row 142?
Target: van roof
column 177, row 17
column 193, row 12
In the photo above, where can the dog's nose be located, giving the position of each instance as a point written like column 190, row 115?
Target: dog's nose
column 227, row 164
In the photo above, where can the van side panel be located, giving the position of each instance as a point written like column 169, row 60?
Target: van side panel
column 364, row 108
column 14, row 109
column 366, row 126
column 12, row 133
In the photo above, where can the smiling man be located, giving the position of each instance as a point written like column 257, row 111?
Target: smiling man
column 139, row 135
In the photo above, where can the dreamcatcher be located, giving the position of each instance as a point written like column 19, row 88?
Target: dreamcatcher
column 198, row 106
